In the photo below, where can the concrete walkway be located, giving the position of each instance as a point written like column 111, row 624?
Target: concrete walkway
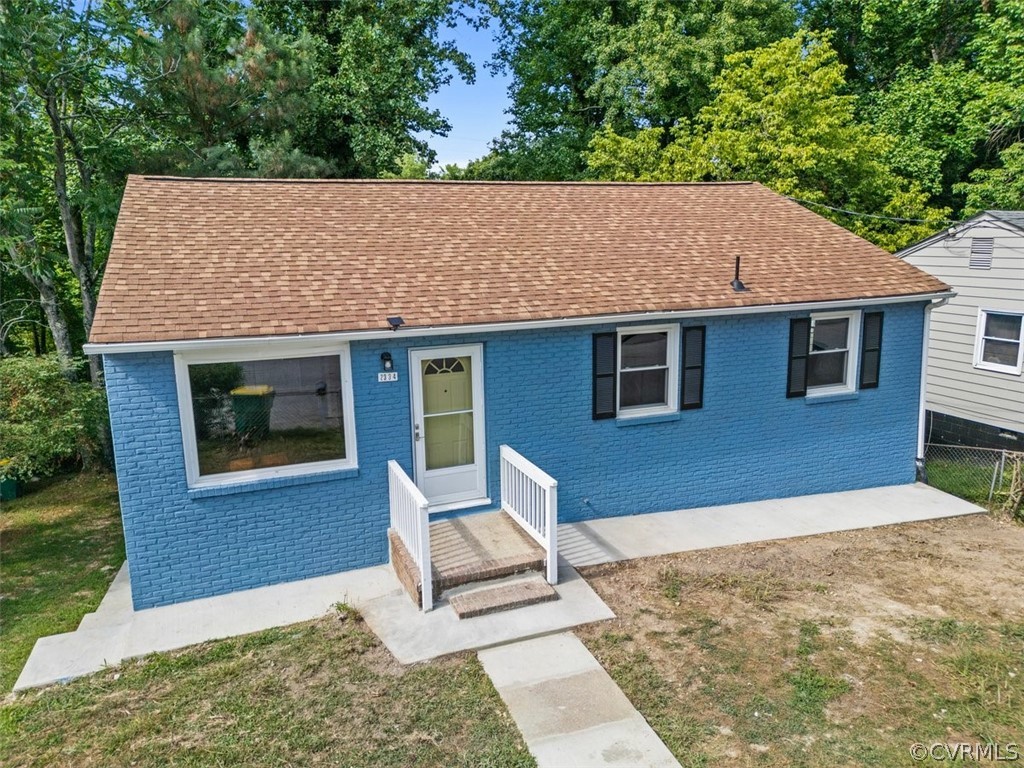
column 661, row 533
column 115, row 632
column 570, row 712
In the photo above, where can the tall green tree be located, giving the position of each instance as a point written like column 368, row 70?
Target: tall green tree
column 577, row 65
column 875, row 39
column 780, row 116
column 60, row 61
column 217, row 89
column 938, row 119
column 373, row 66
column 999, row 187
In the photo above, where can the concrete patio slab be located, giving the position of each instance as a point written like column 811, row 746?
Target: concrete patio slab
column 624, row 538
column 570, row 712
column 414, row 636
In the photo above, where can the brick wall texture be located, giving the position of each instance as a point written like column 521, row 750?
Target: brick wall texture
column 748, row 442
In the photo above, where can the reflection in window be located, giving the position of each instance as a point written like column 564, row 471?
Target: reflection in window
column 267, row 413
column 1000, row 341
column 829, row 349
column 643, row 369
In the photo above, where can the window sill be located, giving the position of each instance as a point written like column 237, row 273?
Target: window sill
column 651, row 418
column 270, row 483
column 830, row 397
column 997, row 368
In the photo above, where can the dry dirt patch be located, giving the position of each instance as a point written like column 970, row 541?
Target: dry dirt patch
column 841, row 649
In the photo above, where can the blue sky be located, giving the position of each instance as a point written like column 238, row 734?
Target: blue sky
column 476, row 112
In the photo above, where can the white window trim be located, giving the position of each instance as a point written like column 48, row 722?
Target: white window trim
column 852, row 353
column 672, row 379
column 979, row 343
column 182, row 360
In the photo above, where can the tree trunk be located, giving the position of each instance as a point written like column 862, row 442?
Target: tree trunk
column 56, row 321
column 71, row 221
column 50, row 304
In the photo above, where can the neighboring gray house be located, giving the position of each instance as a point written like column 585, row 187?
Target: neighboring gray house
column 975, row 388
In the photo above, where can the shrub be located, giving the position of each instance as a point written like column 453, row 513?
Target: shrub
column 48, row 421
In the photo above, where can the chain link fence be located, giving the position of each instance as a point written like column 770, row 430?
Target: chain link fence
column 988, row 477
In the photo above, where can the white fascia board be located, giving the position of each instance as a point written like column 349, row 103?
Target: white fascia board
column 297, row 341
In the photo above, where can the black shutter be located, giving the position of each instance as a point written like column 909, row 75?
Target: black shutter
column 799, row 348
column 693, row 368
column 605, row 363
column 870, row 350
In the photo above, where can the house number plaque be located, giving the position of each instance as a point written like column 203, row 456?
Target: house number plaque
column 387, row 376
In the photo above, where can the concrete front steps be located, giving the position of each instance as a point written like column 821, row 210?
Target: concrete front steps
column 472, row 560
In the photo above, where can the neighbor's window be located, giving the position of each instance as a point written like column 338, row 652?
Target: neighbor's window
column 261, row 414
column 647, row 369
column 831, row 352
column 1000, row 344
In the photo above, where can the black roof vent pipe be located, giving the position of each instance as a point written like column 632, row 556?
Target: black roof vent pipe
column 737, row 284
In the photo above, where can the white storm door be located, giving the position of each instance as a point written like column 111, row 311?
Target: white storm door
column 448, row 423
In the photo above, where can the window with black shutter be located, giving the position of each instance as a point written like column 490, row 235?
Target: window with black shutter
column 799, row 348
column 870, row 350
column 693, row 368
column 605, row 374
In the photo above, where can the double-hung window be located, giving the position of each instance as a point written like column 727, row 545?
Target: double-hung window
column 831, row 361
column 648, row 370
column 637, row 371
column 999, row 345
column 833, row 353
column 250, row 415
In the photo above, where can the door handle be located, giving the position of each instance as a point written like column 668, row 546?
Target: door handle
column 416, row 432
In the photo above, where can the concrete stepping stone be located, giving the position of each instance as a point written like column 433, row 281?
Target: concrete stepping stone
column 569, row 710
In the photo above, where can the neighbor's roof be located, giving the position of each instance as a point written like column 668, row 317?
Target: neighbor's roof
column 1016, row 218
column 983, row 218
column 222, row 258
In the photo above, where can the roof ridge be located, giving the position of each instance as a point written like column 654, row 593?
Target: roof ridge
column 451, row 182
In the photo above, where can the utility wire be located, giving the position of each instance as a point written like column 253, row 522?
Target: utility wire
column 871, row 215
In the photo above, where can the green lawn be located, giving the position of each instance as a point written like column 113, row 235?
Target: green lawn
column 968, row 481
column 61, row 546
column 321, row 693
column 324, row 692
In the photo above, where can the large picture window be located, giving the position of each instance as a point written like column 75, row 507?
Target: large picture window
column 254, row 417
column 1000, row 341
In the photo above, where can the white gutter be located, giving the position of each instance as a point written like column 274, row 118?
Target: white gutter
column 921, row 409
column 114, row 348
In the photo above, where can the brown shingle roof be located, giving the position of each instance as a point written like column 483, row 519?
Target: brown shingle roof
column 205, row 258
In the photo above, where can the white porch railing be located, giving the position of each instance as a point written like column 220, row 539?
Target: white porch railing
column 530, row 497
column 410, row 521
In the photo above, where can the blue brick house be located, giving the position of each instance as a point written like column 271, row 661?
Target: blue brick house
column 295, row 367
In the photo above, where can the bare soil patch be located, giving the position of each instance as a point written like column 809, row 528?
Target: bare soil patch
column 841, row 649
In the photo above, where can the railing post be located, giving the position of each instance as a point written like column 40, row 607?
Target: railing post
column 552, row 532
column 426, row 574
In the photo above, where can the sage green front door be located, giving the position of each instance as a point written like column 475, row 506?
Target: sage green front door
column 448, row 423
